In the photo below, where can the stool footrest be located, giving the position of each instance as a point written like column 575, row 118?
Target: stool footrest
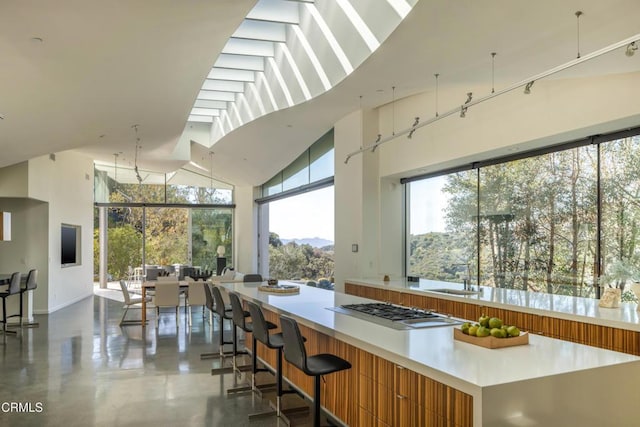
column 223, row 370
column 239, row 389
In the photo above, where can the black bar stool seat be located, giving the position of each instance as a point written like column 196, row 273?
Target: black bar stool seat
column 315, row 366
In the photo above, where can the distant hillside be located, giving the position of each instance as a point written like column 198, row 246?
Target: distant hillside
column 316, row 242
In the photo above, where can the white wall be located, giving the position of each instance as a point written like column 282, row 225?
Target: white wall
column 556, row 111
column 245, row 232
column 13, row 180
column 67, row 184
column 28, row 248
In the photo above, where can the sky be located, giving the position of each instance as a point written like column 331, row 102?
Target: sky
column 427, row 206
column 312, row 214
column 307, row 215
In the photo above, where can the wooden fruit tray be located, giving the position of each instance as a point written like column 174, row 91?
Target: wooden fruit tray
column 491, row 342
column 280, row 289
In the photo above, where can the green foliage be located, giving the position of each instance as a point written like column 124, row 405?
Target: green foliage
column 125, row 245
column 536, row 222
column 301, row 262
column 167, row 229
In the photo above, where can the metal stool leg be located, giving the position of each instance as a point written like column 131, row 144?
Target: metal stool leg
column 316, row 402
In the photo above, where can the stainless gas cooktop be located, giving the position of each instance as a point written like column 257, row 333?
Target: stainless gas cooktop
column 395, row 316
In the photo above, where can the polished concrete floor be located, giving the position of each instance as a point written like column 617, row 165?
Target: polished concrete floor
column 79, row 368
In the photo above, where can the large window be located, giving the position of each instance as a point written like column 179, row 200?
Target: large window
column 157, row 219
column 315, row 164
column 442, row 231
column 560, row 222
column 301, row 238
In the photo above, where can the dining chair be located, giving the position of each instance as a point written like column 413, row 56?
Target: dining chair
column 167, row 295
column 196, row 296
column 128, row 302
column 151, row 274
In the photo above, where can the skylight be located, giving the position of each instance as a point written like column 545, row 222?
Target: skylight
column 360, row 25
column 287, row 51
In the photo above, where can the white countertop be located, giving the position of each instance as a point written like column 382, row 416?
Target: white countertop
column 433, row 351
column 579, row 309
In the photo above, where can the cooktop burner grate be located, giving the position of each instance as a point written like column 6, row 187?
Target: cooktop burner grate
column 394, row 316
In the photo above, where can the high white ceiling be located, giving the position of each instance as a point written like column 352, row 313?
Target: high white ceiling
column 104, row 66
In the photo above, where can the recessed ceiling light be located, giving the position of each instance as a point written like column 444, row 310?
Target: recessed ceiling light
column 289, row 126
column 379, row 90
column 36, row 40
column 1, row 116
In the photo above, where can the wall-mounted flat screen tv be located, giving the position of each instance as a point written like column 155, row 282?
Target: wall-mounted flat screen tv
column 70, row 250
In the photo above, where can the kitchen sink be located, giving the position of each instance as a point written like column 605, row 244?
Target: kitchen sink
column 455, row 291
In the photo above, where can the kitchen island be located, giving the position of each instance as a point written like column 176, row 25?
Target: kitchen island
column 422, row 377
column 565, row 317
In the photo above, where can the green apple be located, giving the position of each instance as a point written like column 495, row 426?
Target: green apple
column 465, row 328
column 484, row 321
column 483, row 332
column 472, row 330
column 498, row 333
column 513, row 331
column 494, row 322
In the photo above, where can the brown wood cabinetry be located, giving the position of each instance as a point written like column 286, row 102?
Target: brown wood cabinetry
column 391, row 395
column 375, row 391
column 607, row 337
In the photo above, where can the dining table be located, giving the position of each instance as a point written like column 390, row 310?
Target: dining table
column 151, row 284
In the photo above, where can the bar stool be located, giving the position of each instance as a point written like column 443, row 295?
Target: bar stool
column 315, row 366
column 210, row 304
column 225, row 313
column 239, row 321
column 14, row 289
column 273, row 341
column 31, row 285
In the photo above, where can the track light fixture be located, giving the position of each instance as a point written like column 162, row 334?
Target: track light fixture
column 413, row 127
column 469, row 97
column 375, row 144
column 493, row 72
column 463, row 111
column 578, row 15
column 527, row 88
column 135, row 158
column 631, row 49
column 436, row 76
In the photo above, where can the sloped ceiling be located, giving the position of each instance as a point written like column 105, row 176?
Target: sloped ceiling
column 103, row 67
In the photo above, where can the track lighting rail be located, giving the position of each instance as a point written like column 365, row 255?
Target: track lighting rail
column 525, row 82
